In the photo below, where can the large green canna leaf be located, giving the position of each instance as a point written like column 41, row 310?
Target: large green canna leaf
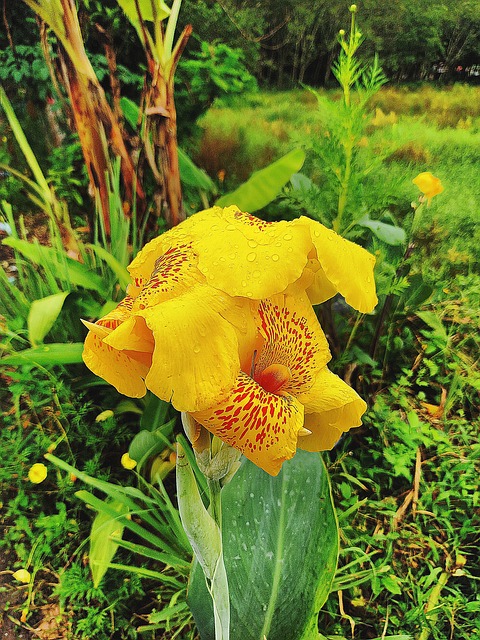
column 280, row 539
column 264, row 185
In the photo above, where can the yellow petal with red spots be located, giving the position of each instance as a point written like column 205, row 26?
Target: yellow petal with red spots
column 245, row 256
column 346, row 265
column 174, row 273
column 114, row 318
column 125, row 370
column 193, row 227
column 262, row 425
column 331, row 408
column 195, row 362
column 131, row 335
column 293, row 338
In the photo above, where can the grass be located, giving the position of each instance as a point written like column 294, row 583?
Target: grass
column 405, row 484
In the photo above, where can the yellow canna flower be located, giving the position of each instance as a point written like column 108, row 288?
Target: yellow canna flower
column 37, row 473
column 219, row 321
column 22, row 575
column 428, row 184
column 128, row 462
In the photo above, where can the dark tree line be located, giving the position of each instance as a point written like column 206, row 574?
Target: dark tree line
column 283, row 43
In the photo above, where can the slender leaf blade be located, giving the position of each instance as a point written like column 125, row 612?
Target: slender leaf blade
column 43, row 314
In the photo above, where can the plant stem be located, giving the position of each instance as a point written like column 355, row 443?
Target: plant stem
column 432, row 604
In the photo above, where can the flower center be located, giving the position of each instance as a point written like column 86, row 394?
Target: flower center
column 274, row 377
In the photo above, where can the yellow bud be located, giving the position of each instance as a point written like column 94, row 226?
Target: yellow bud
column 105, row 415
column 341, row 32
column 37, row 473
column 353, row 8
column 128, row 462
column 22, row 575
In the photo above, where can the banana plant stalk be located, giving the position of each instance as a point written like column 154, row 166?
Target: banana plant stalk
column 96, row 124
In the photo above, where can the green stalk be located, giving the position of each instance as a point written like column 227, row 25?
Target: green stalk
column 432, row 604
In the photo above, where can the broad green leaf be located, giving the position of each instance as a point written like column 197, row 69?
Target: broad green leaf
column 46, row 355
column 264, row 185
column 193, row 176
column 67, row 269
column 43, row 314
column 146, row 9
column 388, row 233
column 280, row 540
column 145, row 443
column 103, row 545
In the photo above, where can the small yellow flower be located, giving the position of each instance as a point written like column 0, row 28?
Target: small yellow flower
column 353, row 8
column 128, row 462
column 37, row 473
column 22, row 575
column 428, row 184
column 341, row 33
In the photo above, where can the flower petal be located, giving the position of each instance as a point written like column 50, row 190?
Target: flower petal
column 174, row 272
column 262, row 425
column 245, row 256
column 293, row 338
column 125, row 370
column 195, row 362
column 331, row 407
column 346, row 265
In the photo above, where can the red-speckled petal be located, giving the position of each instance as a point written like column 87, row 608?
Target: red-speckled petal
column 114, row 318
column 293, row 338
column 173, row 273
column 262, row 425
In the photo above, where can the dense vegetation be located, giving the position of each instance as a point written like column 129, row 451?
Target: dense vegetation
column 406, row 483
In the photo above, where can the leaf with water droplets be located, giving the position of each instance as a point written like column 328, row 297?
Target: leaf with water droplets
column 280, row 545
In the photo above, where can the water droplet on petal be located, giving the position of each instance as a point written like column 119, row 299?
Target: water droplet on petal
column 256, row 274
column 252, row 244
column 196, row 349
column 275, row 257
column 287, row 236
column 230, row 227
column 251, row 256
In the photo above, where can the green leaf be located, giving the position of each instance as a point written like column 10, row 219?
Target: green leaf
column 144, row 444
column 193, row 176
column 146, row 10
column 280, row 540
column 103, row 546
column 43, row 314
column 434, row 322
column 67, row 269
column 120, row 271
column 264, row 185
column 45, row 355
column 388, row 233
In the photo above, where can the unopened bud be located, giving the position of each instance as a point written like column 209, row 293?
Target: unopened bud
column 353, row 8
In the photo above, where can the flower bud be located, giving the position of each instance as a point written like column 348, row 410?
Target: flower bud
column 128, row 462
column 341, row 32
column 353, row 8
column 22, row 575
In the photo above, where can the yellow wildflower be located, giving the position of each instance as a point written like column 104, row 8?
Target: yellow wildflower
column 22, row 575
column 128, row 462
column 37, row 473
column 219, row 321
column 428, row 184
